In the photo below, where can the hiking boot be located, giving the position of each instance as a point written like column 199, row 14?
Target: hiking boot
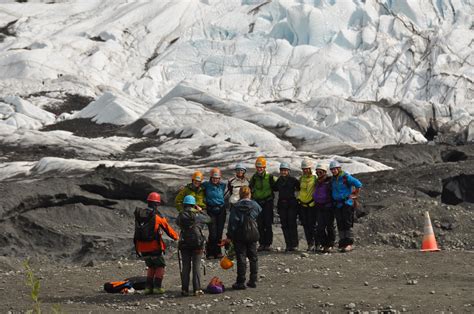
column 327, row 249
column 198, row 293
column 267, row 248
column 347, row 248
column 260, row 248
column 238, row 286
column 251, row 284
column 310, row 248
column 159, row 290
column 148, row 291
column 184, row 293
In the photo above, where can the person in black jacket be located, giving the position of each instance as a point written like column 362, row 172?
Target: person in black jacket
column 243, row 250
column 286, row 186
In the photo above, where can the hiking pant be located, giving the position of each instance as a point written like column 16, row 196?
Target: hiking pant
column 216, row 229
column 264, row 222
column 309, row 219
column 242, row 252
column 345, row 221
column 189, row 257
column 325, row 232
column 287, row 209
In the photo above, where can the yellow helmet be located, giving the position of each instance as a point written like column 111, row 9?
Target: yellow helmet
column 261, row 162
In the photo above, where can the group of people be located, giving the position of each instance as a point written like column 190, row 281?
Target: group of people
column 315, row 200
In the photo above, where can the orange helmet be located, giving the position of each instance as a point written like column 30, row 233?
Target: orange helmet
column 197, row 176
column 154, row 197
column 261, row 162
column 226, row 263
column 215, row 173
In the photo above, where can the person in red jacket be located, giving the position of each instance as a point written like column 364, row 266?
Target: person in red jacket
column 149, row 227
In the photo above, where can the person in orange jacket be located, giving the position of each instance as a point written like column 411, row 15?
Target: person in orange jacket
column 149, row 227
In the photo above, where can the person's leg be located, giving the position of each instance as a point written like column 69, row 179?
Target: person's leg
column 313, row 214
column 293, row 224
column 150, row 273
column 283, row 211
column 159, row 274
column 340, row 225
column 241, row 256
column 186, row 269
column 197, row 255
column 307, row 226
column 261, row 227
column 347, row 224
column 321, row 225
column 212, row 239
column 220, row 223
column 330, row 229
column 253, row 261
column 268, row 223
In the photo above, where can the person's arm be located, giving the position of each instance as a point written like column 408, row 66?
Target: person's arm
column 356, row 184
column 168, row 229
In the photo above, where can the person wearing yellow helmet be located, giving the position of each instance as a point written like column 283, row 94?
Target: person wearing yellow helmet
column 261, row 185
column 195, row 189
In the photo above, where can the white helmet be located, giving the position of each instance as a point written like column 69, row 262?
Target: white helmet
column 322, row 166
column 306, row 163
column 334, row 164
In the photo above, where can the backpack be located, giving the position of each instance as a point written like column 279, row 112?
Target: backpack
column 356, row 201
column 247, row 232
column 145, row 219
column 191, row 236
column 118, row 286
column 215, row 286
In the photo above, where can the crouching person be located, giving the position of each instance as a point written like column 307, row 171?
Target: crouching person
column 191, row 243
column 149, row 226
column 243, row 231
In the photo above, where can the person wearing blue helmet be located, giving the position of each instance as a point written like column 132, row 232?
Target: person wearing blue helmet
column 345, row 189
column 286, row 185
column 191, row 221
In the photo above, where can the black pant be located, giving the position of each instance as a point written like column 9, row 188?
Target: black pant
column 309, row 220
column 242, row 252
column 325, row 232
column 287, row 209
column 345, row 221
column 216, row 229
column 189, row 257
column 264, row 222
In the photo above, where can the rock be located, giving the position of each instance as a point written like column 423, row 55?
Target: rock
column 412, row 282
column 304, row 254
column 350, row 306
column 432, row 292
column 90, row 263
column 287, row 270
column 366, row 283
column 316, row 286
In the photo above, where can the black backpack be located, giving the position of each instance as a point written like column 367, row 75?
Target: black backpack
column 145, row 225
column 247, row 231
column 191, row 236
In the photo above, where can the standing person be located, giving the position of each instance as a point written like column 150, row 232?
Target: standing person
column 345, row 188
column 191, row 243
column 149, row 227
column 195, row 189
column 306, row 203
column 214, row 192
column 261, row 185
column 286, row 186
column 235, row 183
column 243, row 232
column 324, row 206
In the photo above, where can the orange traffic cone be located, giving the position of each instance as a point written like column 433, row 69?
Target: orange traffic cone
column 429, row 241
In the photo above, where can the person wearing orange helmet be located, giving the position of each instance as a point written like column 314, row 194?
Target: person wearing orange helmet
column 149, row 227
column 195, row 189
column 214, row 191
column 261, row 185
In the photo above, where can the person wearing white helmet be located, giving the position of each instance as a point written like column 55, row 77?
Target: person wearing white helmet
column 286, row 186
column 345, row 189
column 307, row 209
column 325, row 212
column 235, row 183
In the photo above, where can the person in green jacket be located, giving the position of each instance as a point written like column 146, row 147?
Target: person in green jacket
column 261, row 184
column 195, row 189
column 307, row 206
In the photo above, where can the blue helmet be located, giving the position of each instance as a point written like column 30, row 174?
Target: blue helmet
column 240, row 166
column 284, row 165
column 189, row 200
column 334, row 164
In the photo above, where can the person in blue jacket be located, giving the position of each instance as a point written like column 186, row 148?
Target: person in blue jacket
column 215, row 207
column 345, row 188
